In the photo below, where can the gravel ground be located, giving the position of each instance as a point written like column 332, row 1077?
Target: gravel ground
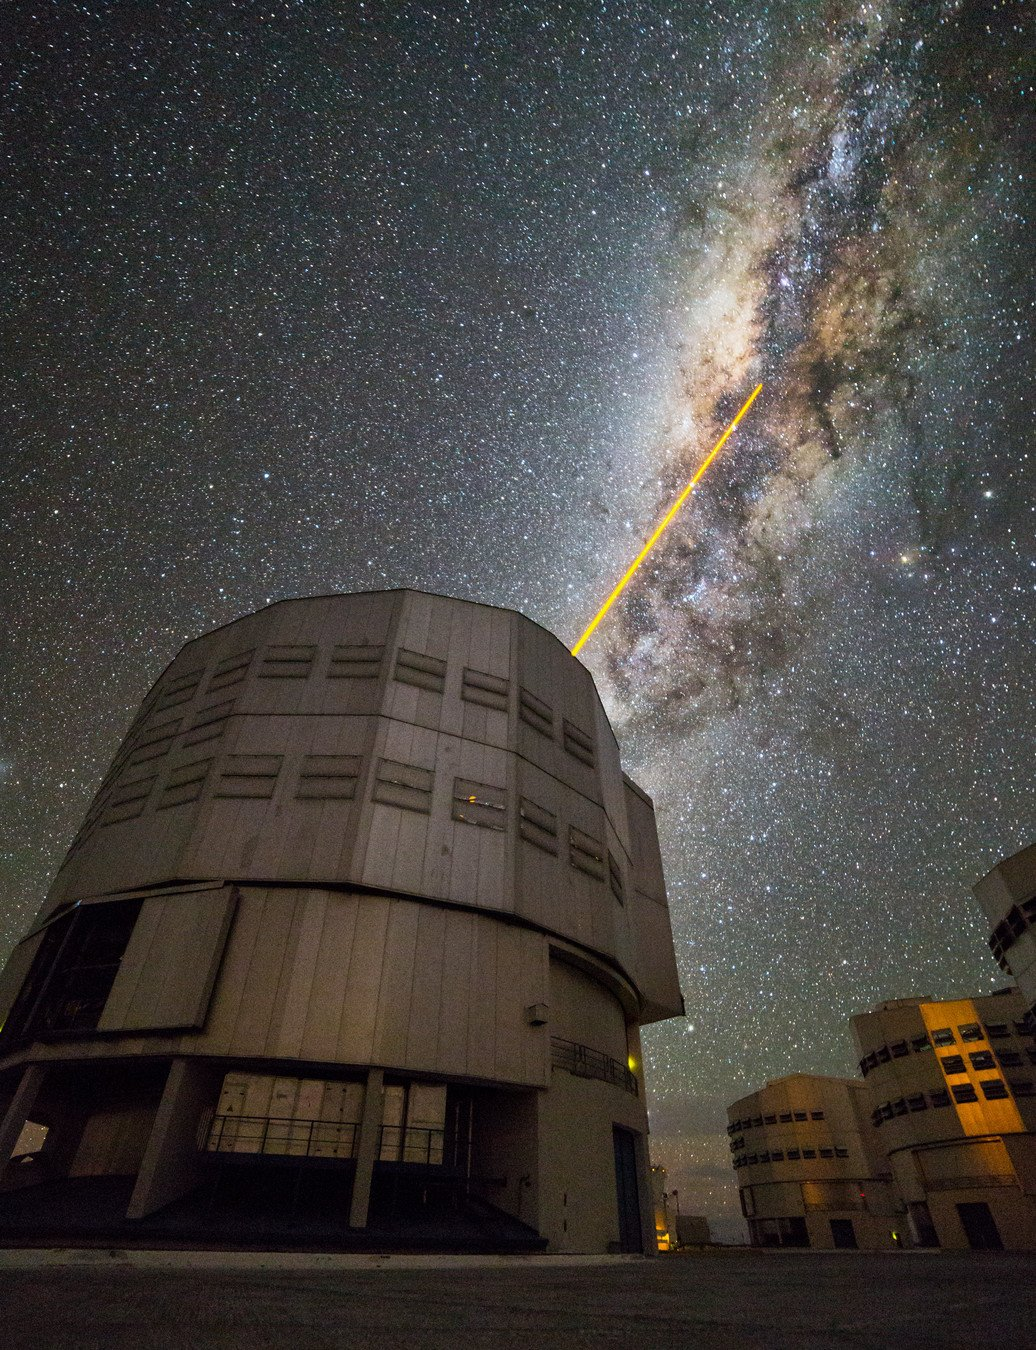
column 715, row 1300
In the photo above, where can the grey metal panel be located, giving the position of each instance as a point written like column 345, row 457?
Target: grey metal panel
column 167, row 974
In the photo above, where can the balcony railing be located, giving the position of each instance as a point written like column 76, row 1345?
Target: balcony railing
column 586, row 1063
column 412, row 1144
column 279, row 1136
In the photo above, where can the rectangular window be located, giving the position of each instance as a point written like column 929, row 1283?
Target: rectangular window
column 899, row 1049
column 793, row 1155
column 952, row 1063
column 615, row 882
column 128, row 799
column 248, row 776
column 841, row 1153
column 785, row 1117
column 996, row 1031
column 800, row 1115
column 964, row 1092
column 883, row 1054
column 353, row 661
column 230, row 671
column 993, row 1089
column 180, row 689
column 403, row 785
column 488, row 690
column 155, row 742
column 209, row 723
column 1009, row 1059
column 970, row 1031
column 535, row 713
column 586, row 853
column 809, row 1153
column 287, row 661
column 982, row 1059
column 426, row 672
column 816, row 1115
column 328, row 777
column 577, row 742
column 539, row 826
column 184, row 784
column 769, row 1120
column 921, row 1044
column 939, row 1098
column 479, row 804
column 917, row 1102
column 777, row 1155
column 1021, row 1087
column 899, row 1107
column 944, row 1036
column 827, row 1153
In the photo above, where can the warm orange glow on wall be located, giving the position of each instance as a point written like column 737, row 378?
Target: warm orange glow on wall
column 979, row 1117
column 661, row 528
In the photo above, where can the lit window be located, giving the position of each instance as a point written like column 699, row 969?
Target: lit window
column 479, row 804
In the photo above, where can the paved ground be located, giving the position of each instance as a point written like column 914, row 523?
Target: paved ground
column 716, row 1301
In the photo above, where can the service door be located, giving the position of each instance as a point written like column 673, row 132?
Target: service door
column 628, row 1193
column 979, row 1226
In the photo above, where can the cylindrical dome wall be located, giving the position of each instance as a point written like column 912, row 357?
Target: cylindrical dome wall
column 377, row 844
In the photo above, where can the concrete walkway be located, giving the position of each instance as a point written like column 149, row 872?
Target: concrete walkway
column 727, row 1299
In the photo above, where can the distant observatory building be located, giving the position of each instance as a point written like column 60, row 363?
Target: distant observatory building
column 356, row 939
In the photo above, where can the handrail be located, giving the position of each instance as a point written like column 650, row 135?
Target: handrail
column 584, row 1062
column 282, row 1135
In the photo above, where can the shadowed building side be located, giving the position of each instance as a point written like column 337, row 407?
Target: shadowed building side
column 365, row 897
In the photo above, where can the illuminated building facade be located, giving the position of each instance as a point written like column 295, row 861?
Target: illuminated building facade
column 1007, row 895
column 365, row 901
column 935, row 1145
column 805, row 1168
column 953, row 1112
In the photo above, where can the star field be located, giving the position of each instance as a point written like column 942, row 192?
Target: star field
column 309, row 297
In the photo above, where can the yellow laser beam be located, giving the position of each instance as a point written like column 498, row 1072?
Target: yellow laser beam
column 660, row 530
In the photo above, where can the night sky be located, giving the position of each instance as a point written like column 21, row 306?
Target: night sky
column 315, row 297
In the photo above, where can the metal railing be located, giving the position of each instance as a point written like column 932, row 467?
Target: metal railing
column 411, row 1144
column 282, row 1136
column 586, row 1063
